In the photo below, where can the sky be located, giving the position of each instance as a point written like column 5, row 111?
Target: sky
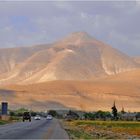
column 27, row 23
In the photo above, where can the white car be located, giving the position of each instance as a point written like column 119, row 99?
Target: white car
column 49, row 117
column 37, row 117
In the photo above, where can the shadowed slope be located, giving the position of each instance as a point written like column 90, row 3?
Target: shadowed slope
column 85, row 95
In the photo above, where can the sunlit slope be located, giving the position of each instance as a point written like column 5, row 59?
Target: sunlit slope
column 76, row 57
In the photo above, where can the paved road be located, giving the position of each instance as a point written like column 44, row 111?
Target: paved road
column 37, row 129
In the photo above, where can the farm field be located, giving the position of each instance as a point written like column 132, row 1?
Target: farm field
column 81, row 129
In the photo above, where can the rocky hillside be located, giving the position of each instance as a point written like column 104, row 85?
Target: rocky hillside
column 78, row 56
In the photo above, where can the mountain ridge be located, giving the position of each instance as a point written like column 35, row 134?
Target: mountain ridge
column 76, row 57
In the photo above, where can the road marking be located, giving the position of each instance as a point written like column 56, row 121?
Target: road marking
column 49, row 134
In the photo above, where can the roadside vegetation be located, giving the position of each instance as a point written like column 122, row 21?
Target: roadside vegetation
column 102, row 124
column 13, row 116
column 2, row 122
column 88, row 129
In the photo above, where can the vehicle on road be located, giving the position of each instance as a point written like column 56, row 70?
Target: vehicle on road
column 37, row 117
column 49, row 117
column 26, row 116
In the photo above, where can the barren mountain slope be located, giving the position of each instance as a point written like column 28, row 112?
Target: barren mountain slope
column 10, row 57
column 76, row 57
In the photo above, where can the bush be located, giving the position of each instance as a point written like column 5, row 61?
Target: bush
column 97, row 115
column 18, row 112
column 53, row 113
column 102, row 115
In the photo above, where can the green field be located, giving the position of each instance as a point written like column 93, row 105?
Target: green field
column 102, row 129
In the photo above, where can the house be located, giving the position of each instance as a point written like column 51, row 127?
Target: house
column 71, row 115
column 138, row 116
column 128, row 116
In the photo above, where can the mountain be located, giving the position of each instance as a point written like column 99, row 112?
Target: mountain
column 78, row 56
column 77, row 72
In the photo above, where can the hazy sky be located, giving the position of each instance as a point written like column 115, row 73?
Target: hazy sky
column 27, row 23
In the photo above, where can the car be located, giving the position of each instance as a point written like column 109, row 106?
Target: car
column 49, row 117
column 37, row 117
column 26, row 116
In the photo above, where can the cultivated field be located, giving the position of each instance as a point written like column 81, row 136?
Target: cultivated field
column 102, row 129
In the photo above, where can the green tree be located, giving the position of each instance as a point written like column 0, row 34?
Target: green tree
column 114, row 112
column 18, row 112
column 89, row 116
column 122, row 111
column 53, row 113
column 73, row 114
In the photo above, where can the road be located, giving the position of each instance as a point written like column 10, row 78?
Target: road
column 36, row 129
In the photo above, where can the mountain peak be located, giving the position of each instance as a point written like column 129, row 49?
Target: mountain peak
column 77, row 37
column 80, row 35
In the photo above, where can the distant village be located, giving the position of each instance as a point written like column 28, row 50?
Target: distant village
column 103, row 115
column 5, row 114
